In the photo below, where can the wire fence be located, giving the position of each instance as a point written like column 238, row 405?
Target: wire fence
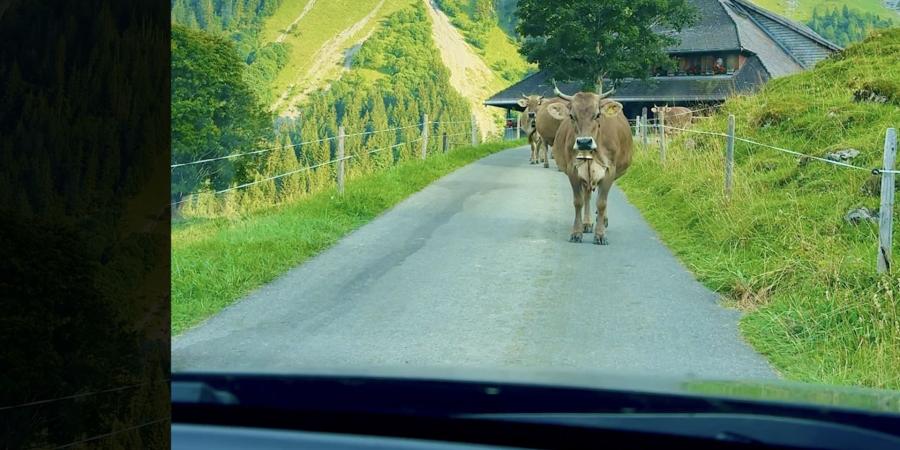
column 886, row 171
column 470, row 130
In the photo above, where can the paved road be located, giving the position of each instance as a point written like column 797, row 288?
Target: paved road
column 476, row 270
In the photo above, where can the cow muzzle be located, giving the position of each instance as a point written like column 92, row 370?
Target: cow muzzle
column 585, row 144
column 531, row 115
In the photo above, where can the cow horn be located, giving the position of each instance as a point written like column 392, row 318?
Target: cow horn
column 607, row 93
column 524, row 96
column 559, row 93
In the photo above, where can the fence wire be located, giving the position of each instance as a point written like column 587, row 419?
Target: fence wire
column 876, row 171
column 316, row 141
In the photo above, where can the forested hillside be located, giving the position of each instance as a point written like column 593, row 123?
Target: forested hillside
column 217, row 111
column 802, row 10
column 845, row 26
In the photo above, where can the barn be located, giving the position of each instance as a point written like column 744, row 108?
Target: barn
column 735, row 47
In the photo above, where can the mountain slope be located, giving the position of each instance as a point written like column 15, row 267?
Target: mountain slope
column 469, row 74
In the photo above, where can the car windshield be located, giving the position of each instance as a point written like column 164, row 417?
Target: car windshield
column 696, row 194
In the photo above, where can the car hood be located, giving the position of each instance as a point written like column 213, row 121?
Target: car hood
column 767, row 390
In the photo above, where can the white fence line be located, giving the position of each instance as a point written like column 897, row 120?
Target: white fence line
column 192, row 195
column 886, row 171
column 256, row 152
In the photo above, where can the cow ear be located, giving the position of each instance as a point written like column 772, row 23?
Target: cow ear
column 611, row 109
column 653, row 110
column 540, row 100
column 522, row 102
column 558, row 111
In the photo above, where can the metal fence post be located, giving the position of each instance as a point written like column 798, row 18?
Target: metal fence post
column 446, row 143
column 340, row 158
column 518, row 128
column 729, row 157
column 886, row 214
column 662, row 137
column 474, row 130
column 637, row 126
column 425, row 126
column 644, row 137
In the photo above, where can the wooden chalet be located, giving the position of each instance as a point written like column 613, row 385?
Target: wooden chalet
column 736, row 46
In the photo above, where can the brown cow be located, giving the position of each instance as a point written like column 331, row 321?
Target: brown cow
column 530, row 103
column 676, row 116
column 547, row 125
column 594, row 146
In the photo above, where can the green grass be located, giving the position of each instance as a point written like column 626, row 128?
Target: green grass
column 805, row 8
column 780, row 250
column 216, row 262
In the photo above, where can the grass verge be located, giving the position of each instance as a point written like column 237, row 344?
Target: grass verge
column 216, row 262
column 781, row 250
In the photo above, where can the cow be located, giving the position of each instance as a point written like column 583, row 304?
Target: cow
column 594, row 147
column 530, row 104
column 676, row 116
column 547, row 125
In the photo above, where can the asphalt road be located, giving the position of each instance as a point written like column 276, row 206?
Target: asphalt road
column 476, row 271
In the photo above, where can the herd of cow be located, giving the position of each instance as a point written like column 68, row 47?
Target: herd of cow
column 590, row 140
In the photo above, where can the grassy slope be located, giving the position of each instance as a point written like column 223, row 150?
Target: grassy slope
column 326, row 19
column 499, row 51
column 805, row 8
column 781, row 250
column 216, row 262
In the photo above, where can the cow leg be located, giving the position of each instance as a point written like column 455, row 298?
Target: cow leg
column 578, row 197
column 602, row 219
column 531, row 143
column 586, row 190
column 544, row 159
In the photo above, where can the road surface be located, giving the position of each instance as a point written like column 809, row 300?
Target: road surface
column 476, row 270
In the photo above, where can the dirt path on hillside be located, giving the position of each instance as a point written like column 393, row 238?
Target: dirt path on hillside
column 469, row 74
column 326, row 61
column 306, row 9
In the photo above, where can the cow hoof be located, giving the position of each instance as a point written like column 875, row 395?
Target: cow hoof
column 546, row 166
column 588, row 228
column 601, row 240
column 576, row 237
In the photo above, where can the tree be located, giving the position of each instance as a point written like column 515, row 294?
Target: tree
column 214, row 111
column 613, row 39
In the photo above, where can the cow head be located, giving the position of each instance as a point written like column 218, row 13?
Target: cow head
column 585, row 110
column 530, row 103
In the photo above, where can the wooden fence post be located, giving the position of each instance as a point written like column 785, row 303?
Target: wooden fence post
column 340, row 158
column 474, row 130
column 425, row 126
column 662, row 137
column 886, row 214
column 637, row 126
column 518, row 128
column 729, row 157
column 644, row 136
column 446, row 144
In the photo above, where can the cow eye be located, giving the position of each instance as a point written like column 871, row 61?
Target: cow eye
column 597, row 116
column 572, row 116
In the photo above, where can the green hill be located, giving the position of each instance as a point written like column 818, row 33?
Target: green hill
column 781, row 250
column 802, row 10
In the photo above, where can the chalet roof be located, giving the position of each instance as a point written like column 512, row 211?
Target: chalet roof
column 714, row 30
column 662, row 89
column 777, row 47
